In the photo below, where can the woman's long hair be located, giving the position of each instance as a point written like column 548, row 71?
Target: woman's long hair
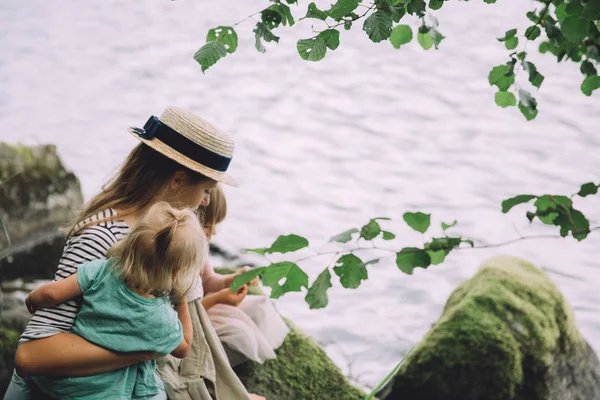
column 143, row 176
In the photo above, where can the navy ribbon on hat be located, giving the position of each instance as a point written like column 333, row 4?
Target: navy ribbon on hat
column 155, row 129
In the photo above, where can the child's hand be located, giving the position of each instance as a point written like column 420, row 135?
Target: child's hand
column 30, row 306
column 226, row 296
column 231, row 277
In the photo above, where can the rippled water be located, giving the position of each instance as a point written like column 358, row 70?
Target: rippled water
column 370, row 131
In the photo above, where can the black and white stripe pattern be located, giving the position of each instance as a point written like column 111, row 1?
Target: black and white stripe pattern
column 89, row 244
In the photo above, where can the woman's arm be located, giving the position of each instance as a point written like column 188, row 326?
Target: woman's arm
column 66, row 354
column 185, row 346
column 53, row 293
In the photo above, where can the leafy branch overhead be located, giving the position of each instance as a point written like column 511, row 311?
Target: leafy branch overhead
column 352, row 270
column 567, row 30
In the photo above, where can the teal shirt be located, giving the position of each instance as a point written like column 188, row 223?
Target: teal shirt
column 114, row 317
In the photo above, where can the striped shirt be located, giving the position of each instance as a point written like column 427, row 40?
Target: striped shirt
column 89, row 244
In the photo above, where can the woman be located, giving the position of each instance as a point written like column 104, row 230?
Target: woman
column 181, row 158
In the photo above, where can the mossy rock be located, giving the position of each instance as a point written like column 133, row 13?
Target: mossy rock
column 8, row 347
column 505, row 334
column 38, row 196
column 301, row 371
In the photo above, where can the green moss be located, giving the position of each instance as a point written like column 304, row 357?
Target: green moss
column 495, row 340
column 8, row 347
column 301, row 371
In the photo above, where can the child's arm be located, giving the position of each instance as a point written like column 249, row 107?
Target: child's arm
column 53, row 293
column 185, row 346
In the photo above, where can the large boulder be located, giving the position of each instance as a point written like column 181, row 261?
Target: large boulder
column 8, row 347
column 505, row 334
column 301, row 371
column 38, row 196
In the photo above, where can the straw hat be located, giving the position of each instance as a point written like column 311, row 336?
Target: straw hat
column 191, row 141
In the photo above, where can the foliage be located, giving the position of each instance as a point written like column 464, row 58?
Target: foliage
column 567, row 30
column 554, row 210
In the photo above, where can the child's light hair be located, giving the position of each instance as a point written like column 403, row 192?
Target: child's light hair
column 164, row 253
column 216, row 211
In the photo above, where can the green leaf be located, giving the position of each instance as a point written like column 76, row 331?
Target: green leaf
column 425, row 40
column 416, row 7
column 588, row 189
column 436, row 4
column 295, row 278
column 489, row 1
column 436, row 256
column 344, row 237
column 502, row 77
column 535, row 77
column 378, row 26
column 398, row 13
column 437, row 37
column 371, row 230
column 469, row 242
column 530, row 216
column 574, row 8
column 351, row 270
column 590, row 84
column 444, row 243
column 527, row 105
column 508, row 35
column 388, row 235
column 533, row 17
column 312, row 49
column 271, row 18
column 288, row 243
column 225, row 35
column 512, row 43
column 591, row 11
column 505, row 99
column 561, row 12
column 284, row 12
column 314, row 12
column 588, row 69
column 575, row 29
column 262, row 31
column 331, row 38
column 533, row 32
column 448, row 226
column 418, row 221
column 316, row 297
column 342, row 8
column 410, row 258
column 283, row 244
column 209, row 54
column 544, row 47
column 246, row 277
column 575, row 222
column 402, row 34
column 508, row 204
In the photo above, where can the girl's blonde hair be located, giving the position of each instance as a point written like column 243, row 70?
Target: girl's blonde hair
column 216, row 211
column 164, row 253
column 145, row 173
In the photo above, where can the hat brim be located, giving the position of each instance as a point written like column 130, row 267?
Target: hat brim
column 187, row 162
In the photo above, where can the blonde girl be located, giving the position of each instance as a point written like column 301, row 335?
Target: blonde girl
column 125, row 304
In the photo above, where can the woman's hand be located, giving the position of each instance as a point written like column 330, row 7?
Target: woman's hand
column 231, row 277
column 226, row 296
